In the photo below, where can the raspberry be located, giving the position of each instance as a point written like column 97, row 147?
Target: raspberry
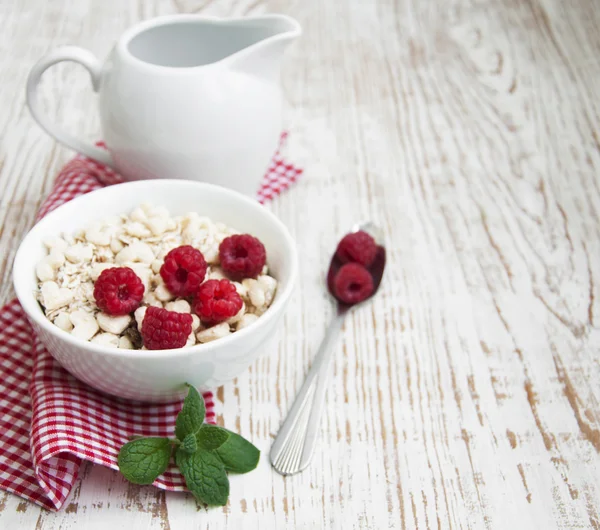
column 353, row 283
column 357, row 247
column 164, row 330
column 118, row 291
column 183, row 270
column 242, row 256
column 216, row 301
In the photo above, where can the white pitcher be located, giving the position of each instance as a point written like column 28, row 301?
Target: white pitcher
column 184, row 96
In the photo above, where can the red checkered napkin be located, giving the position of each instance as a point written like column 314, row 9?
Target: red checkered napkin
column 50, row 421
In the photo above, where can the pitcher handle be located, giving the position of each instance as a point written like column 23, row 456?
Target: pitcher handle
column 85, row 58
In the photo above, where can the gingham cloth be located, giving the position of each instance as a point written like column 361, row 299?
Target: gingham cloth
column 50, row 421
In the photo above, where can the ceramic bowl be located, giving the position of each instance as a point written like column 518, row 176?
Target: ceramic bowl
column 160, row 375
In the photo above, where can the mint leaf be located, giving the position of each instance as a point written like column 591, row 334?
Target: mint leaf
column 211, row 437
column 238, row 454
column 189, row 444
column 205, row 476
column 190, row 419
column 144, row 459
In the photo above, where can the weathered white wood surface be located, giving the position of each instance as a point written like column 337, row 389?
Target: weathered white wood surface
column 467, row 395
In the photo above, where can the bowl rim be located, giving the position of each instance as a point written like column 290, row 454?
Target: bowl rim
column 29, row 302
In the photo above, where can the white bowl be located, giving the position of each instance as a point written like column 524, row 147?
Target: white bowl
column 159, row 375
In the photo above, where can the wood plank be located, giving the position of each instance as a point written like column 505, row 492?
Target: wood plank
column 466, row 395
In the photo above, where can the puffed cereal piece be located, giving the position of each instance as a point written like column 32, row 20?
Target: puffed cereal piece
column 256, row 292
column 269, row 286
column 136, row 229
column 54, row 296
column 161, row 292
column 211, row 253
column 44, row 271
column 106, row 339
column 191, row 340
column 156, row 265
column 213, row 333
column 150, row 299
column 113, row 324
column 85, row 325
column 179, row 306
column 241, row 289
column 116, row 245
column 245, row 321
column 216, row 273
column 56, row 258
column 138, row 251
column 79, row 252
column 55, row 242
column 98, row 268
column 157, row 225
column 138, row 215
column 142, row 271
column 125, row 343
column 98, row 234
column 63, row 321
column 139, row 315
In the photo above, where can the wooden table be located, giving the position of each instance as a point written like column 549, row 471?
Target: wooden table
column 466, row 395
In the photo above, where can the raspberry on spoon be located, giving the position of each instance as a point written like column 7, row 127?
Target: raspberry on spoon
column 353, row 283
column 216, row 301
column 118, row 291
column 357, row 247
column 165, row 330
column 183, row 270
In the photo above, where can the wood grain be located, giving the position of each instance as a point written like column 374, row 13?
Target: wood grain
column 467, row 395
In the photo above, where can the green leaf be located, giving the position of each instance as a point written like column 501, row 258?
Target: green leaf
column 190, row 419
column 238, row 454
column 211, row 437
column 144, row 459
column 205, row 476
column 189, row 444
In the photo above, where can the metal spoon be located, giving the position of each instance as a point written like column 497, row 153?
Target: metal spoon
column 296, row 440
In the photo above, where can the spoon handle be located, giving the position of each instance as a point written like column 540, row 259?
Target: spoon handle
column 296, row 439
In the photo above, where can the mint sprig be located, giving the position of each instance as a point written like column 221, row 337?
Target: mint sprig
column 204, row 454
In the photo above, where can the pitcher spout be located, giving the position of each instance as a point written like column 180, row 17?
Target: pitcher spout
column 271, row 35
column 280, row 26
